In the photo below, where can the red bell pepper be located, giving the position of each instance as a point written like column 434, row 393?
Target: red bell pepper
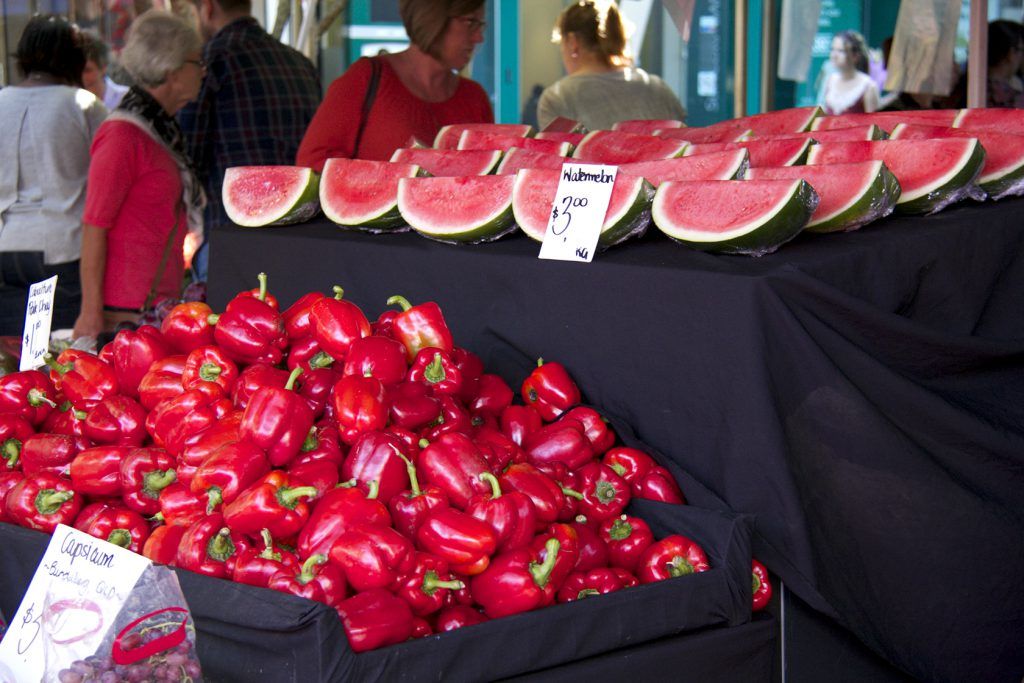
column 336, row 323
column 133, row 352
column 605, row 494
column 97, row 471
column 322, row 475
column 412, row 406
column 321, row 444
column 66, row 419
column 256, row 566
column 563, row 441
column 761, row 587
column 372, row 555
column 593, row 552
column 229, row 471
column 493, row 396
column 670, row 557
column 375, row 618
column 296, row 317
column 454, row 464
column 376, row 456
column 659, row 484
column 43, row 501
column 499, row 450
column 464, row 542
column 49, row 453
column 209, row 364
column 201, row 445
column 8, row 480
column 172, row 423
column 454, row 419
column 273, row 503
column 82, row 377
column 425, row 586
column 162, row 382
column 510, row 515
column 550, row 390
column 453, row 617
column 315, row 580
column 316, row 387
column 14, row 431
column 187, row 326
column 380, row 357
column 437, row 371
column 517, row 582
column 568, row 553
column 410, row 441
column 360, row 405
column 411, row 507
column 628, row 580
column 250, row 330
column 584, row 584
column 421, row 628
column 419, row 327
column 306, row 353
column 334, row 513
column 143, row 474
column 120, row 526
column 545, row 493
column 162, row 545
column 28, row 393
column 278, row 421
column 598, row 432
column 472, row 368
column 385, row 324
column 629, row 463
column 116, row 420
column 208, row 547
column 518, row 422
column 180, row 507
column 627, row 538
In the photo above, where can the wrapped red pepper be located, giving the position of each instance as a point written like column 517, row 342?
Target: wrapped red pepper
column 593, row 552
column 452, row 617
column 761, row 586
column 517, row 582
column 278, row 421
column 208, row 547
column 564, row 441
column 437, row 371
column 273, row 504
column 43, row 501
column 464, row 542
column 209, row 364
column 133, row 352
column 360, row 405
column 454, row 464
column 82, row 377
column 250, row 330
column 116, row 525
column 493, row 396
column 545, row 493
column 14, row 431
column 162, row 382
column 143, row 474
column 315, row 580
column 380, row 357
column 550, row 390
column 162, row 545
column 419, row 327
column 411, row 507
column 426, row 585
column 670, row 557
column 28, row 393
column 375, row 618
column 376, row 456
column 372, row 555
column 187, row 326
column 598, row 432
column 519, row 422
column 97, row 471
column 229, row 471
column 173, row 422
column 627, row 538
column 334, row 513
column 257, row 566
column 510, row 515
column 336, row 324
column 49, row 453
column 116, row 420
column 579, row 585
column 605, row 494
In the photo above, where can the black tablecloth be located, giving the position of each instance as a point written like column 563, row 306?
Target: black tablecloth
column 862, row 394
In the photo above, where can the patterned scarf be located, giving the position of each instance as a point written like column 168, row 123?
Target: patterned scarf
column 140, row 108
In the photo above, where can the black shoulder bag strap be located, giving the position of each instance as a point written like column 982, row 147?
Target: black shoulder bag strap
column 371, row 95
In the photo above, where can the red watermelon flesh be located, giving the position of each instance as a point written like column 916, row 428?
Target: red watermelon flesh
column 613, row 147
column 561, row 124
column 1004, row 152
column 794, row 120
column 572, row 138
column 725, row 165
column 448, row 136
column 361, row 192
column 887, row 120
column 865, row 131
column 469, row 209
column 480, row 139
column 646, row 126
column 768, row 152
column 517, row 158
column 704, row 135
column 449, row 162
column 998, row 120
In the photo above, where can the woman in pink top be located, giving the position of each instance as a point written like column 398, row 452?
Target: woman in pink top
column 143, row 196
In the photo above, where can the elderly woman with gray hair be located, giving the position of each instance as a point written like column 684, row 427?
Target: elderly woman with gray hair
column 383, row 102
column 142, row 196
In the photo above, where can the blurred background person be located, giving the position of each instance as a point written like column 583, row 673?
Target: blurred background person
column 49, row 122
column 849, row 89
column 418, row 90
column 602, row 87
column 1005, row 56
column 94, row 76
column 143, row 195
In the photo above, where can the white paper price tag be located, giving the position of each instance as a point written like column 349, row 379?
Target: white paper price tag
column 75, row 595
column 35, row 341
column 581, row 203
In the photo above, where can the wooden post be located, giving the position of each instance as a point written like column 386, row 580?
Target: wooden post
column 739, row 95
column 768, row 55
column 977, row 55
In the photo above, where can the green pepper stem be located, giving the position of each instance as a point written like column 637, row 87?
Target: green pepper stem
column 433, row 583
column 212, row 319
column 618, row 469
column 542, row 572
column 290, row 384
column 221, row 547
column 48, row 501
column 289, row 497
column 756, row 584
column 423, row 443
column 262, row 296
column 11, row 452
column 540, row 362
column 321, row 359
column 213, row 499
column 679, row 566
column 621, row 529
column 400, row 301
column 434, row 372
column 269, row 552
column 120, row 537
column 572, row 494
column 60, row 368
column 307, row 575
column 37, row 398
column 80, row 414
column 348, row 484
column 495, row 484
column 209, row 372
column 374, row 490
column 410, row 468
column 339, row 293
column 156, row 481
column 311, row 441
column 587, row 593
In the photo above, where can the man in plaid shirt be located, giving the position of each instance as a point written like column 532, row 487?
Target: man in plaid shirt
column 257, row 98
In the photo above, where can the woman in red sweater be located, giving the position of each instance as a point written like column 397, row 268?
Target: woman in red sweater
column 418, row 92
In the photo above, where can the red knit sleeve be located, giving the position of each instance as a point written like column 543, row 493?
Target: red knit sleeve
column 332, row 132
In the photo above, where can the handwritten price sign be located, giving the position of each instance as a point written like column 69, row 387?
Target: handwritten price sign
column 577, row 214
column 35, row 341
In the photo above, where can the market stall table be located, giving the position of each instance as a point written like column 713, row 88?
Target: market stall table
column 861, row 393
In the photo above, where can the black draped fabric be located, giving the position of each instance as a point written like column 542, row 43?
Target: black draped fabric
column 862, row 394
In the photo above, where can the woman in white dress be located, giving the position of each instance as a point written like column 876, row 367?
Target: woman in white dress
column 849, row 89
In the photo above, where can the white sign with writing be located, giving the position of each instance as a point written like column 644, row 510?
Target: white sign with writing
column 578, row 212
column 38, row 314
column 76, row 594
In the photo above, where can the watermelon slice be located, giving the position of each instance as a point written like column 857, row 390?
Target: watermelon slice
column 887, row 120
column 852, row 195
column 613, row 147
column 864, row 131
column 472, row 209
column 560, row 124
column 795, row 120
column 998, row 120
column 255, row 196
column 572, row 138
column 449, row 162
column 726, row 165
column 629, row 210
column 763, row 152
column 753, row 217
column 1003, row 172
column 517, row 158
column 363, row 194
column 706, row 134
column 480, row 139
column 932, row 173
column 448, row 136
column 646, row 126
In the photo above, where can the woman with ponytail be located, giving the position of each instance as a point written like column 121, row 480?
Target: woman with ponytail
column 602, row 86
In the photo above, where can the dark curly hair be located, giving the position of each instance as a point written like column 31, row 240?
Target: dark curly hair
column 51, row 45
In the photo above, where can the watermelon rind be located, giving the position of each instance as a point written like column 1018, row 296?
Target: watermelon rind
column 460, row 229
column 958, row 184
column 297, row 203
column 696, row 167
column 449, row 162
column 761, row 234
column 448, row 136
column 613, row 147
column 633, row 219
column 384, row 217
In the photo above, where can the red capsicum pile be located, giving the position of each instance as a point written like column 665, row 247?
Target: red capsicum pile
column 373, row 466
